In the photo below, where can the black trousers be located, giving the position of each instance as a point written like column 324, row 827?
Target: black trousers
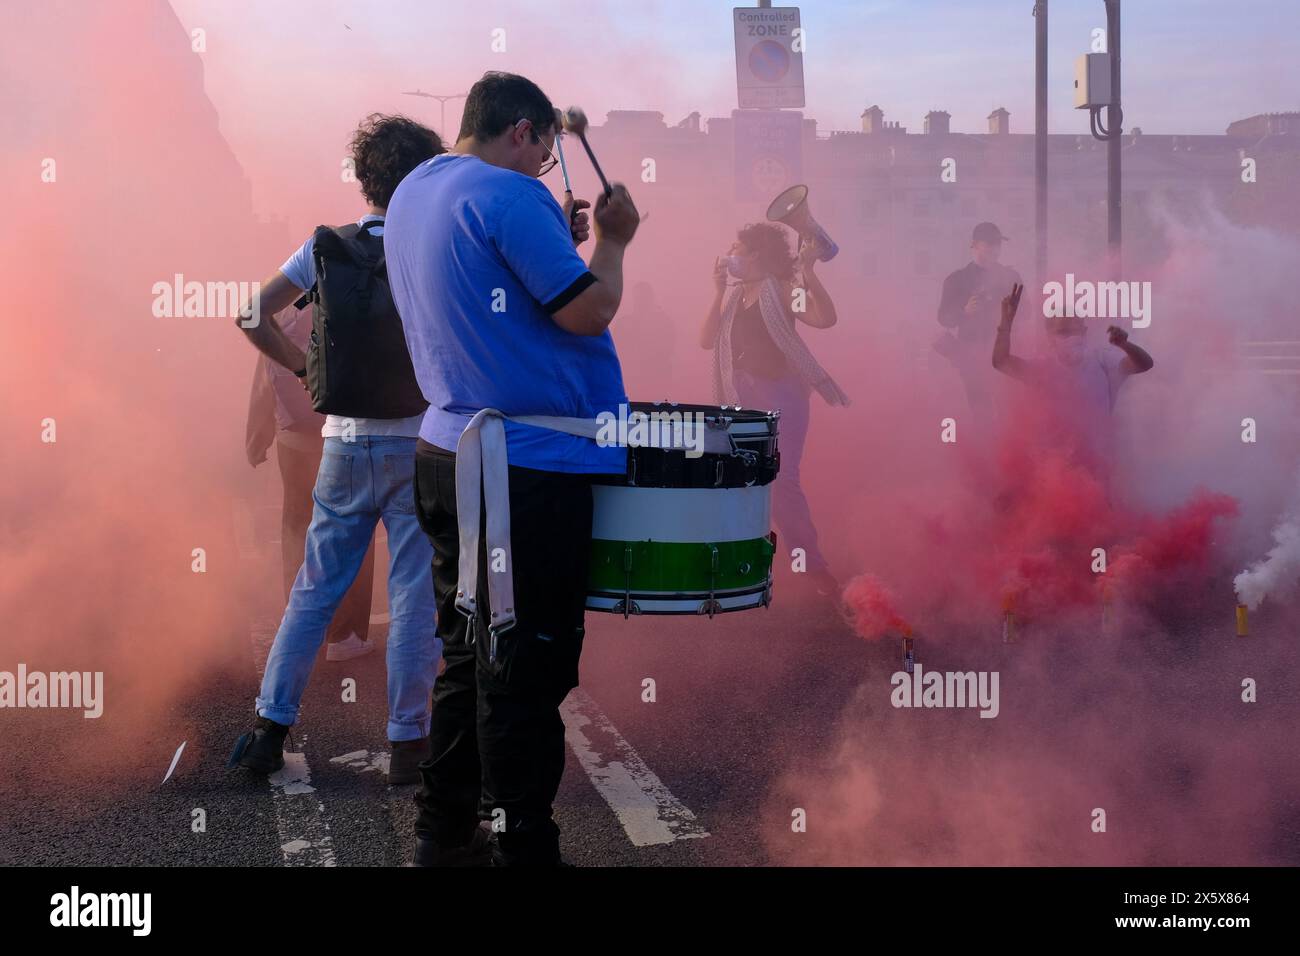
column 497, row 737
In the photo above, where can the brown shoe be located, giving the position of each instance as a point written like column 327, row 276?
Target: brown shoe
column 404, row 764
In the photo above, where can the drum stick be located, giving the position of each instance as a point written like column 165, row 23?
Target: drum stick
column 575, row 121
column 559, row 150
column 564, row 167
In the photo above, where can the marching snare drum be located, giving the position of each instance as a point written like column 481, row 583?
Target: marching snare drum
column 688, row 535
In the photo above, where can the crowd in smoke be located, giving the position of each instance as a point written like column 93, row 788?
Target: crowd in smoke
column 940, row 539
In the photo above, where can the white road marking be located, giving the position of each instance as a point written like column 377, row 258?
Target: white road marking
column 175, row 760
column 364, row 761
column 300, row 817
column 648, row 812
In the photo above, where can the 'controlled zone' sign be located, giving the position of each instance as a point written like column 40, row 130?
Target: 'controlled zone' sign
column 769, row 57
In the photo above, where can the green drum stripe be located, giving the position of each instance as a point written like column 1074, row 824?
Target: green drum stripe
column 673, row 567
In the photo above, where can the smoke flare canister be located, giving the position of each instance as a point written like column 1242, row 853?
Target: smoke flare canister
column 1242, row 629
column 909, row 654
column 1107, row 610
column 1008, row 622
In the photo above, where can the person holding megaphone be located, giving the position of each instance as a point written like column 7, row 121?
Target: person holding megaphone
column 761, row 293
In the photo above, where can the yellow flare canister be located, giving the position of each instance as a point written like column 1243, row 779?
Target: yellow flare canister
column 1242, row 628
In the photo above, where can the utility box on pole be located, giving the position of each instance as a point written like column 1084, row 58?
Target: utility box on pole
column 1092, row 81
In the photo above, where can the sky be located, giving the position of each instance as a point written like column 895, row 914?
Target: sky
column 272, row 69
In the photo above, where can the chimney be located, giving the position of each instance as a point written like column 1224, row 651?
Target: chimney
column 873, row 119
column 936, row 121
column 691, row 122
column 1000, row 122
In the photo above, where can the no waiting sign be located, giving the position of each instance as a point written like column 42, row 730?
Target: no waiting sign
column 769, row 57
column 769, row 152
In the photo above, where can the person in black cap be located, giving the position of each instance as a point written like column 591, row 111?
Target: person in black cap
column 969, row 310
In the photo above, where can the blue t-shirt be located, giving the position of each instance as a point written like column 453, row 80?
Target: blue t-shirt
column 479, row 258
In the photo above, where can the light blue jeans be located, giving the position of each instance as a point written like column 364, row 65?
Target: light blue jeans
column 359, row 483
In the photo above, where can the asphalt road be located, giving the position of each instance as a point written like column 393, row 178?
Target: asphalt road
column 758, row 717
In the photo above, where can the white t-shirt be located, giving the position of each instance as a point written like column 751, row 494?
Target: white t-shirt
column 300, row 269
column 1084, row 394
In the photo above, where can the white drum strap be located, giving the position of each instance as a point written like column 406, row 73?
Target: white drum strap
column 482, row 466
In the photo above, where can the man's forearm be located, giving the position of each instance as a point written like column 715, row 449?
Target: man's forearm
column 274, row 295
column 607, row 266
column 1002, row 346
column 269, row 339
column 1007, row 363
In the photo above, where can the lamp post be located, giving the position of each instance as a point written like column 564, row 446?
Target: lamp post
column 1040, row 139
column 1110, row 133
column 1115, row 128
column 442, row 102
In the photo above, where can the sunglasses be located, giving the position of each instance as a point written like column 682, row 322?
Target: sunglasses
column 550, row 161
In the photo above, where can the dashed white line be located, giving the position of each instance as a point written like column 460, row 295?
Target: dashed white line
column 364, row 761
column 647, row 811
column 300, row 818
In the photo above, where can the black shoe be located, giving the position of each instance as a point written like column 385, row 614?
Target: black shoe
column 264, row 752
column 541, row 850
column 560, row 862
column 404, row 763
column 477, row 852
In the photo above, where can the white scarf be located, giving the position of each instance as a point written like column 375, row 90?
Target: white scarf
column 783, row 336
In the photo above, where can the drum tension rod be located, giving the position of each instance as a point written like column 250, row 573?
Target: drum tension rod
column 627, row 580
column 711, row 605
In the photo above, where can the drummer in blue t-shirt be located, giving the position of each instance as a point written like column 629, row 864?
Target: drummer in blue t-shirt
column 501, row 312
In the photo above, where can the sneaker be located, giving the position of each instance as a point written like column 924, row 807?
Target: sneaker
column 477, row 852
column 345, row 650
column 264, row 751
column 404, row 763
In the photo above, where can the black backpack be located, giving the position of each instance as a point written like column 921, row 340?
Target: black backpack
column 357, row 363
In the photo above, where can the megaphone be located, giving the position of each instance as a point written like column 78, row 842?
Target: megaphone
column 791, row 209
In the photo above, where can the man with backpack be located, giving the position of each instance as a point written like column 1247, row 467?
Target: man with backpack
column 359, row 373
column 280, row 414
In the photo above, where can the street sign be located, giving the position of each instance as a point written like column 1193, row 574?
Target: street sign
column 769, row 57
column 769, row 152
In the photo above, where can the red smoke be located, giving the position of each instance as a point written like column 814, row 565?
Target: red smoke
column 1025, row 538
column 1181, row 539
column 871, row 608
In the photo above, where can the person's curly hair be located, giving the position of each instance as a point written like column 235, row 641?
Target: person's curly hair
column 385, row 149
column 769, row 242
